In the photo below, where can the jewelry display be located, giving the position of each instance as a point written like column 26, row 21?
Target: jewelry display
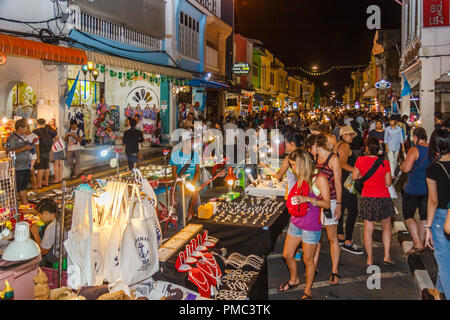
column 195, row 253
column 181, row 264
column 189, row 259
column 256, row 211
column 197, row 277
column 200, row 246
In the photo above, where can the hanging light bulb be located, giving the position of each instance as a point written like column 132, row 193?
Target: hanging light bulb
column 85, row 69
column 90, row 65
column 95, row 74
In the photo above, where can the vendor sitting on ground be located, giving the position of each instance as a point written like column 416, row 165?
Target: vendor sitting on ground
column 46, row 236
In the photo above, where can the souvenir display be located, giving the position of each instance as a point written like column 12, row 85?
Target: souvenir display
column 255, row 211
column 268, row 188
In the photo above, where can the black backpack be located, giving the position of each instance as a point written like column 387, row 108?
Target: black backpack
column 45, row 139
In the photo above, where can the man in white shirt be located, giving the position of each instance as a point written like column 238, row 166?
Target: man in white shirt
column 74, row 138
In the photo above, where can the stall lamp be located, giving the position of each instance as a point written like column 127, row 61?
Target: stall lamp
column 30, row 122
column 4, row 120
column 230, row 178
column 190, row 187
column 104, row 153
column 90, row 66
column 22, row 248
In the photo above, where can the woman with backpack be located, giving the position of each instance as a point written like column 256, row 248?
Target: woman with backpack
column 307, row 197
column 328, row 164
column 376, row 203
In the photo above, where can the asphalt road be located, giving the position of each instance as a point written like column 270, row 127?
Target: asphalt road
column 396, row 282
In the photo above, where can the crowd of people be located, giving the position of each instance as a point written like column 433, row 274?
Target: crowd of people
column 328, row 152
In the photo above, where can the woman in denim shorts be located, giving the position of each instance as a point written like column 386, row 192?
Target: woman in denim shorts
column 307, row 228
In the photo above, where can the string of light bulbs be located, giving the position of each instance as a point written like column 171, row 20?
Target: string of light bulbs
column 318, row 74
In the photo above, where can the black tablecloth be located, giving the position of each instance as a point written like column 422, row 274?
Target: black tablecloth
column 247, row 239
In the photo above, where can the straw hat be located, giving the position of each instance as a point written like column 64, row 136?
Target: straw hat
column 347, row 130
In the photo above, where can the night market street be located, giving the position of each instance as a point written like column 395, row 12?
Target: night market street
column 234, row 157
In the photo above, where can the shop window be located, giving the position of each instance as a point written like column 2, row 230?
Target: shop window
column 188, row 39
column 22, row 102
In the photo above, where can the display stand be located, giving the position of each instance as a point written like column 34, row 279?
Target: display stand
column 8, row 191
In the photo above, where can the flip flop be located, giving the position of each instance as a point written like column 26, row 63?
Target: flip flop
column 414, row 250
column 334, row 275
column 289, row 286
column 305, row 296
column 388, row 263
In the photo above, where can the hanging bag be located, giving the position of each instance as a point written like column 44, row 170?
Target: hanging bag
column 151, row 216
column 79, row 243
column 139, row 247
column 113, row 226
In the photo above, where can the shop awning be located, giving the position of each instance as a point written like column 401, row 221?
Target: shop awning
column 11, row 45
column 136, row 65
column 207, row 84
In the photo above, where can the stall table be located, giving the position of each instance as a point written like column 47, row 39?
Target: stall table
column 247, row 238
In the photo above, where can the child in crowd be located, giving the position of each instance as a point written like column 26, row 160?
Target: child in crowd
column 46, row 236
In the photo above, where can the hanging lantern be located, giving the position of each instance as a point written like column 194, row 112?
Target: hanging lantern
column 102, row 69
column 136, row 73
column 90, row 65
column 95, row 74
column 85, row 69
column 120, row 75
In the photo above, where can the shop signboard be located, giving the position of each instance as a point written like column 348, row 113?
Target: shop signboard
column 383, row 84
column 241, row 68
column 436, row 13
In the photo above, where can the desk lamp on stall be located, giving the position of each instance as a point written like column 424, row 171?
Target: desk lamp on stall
column 230, row 179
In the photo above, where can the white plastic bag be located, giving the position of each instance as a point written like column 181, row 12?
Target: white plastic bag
column 139, row 249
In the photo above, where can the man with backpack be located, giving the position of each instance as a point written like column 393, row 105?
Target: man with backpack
column 74, row 138
column 43, row 149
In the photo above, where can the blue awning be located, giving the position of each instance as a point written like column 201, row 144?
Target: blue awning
column 207, row 84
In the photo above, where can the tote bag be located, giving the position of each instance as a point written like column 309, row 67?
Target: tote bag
column 151, row 214
column 58, row 145
column 79, row 243
column 112, row 227
column 139, row 247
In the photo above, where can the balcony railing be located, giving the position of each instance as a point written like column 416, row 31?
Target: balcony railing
column 212, row 5
column 96, row 26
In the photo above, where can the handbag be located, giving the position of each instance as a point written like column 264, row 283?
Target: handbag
column 359, row 183
column 298, row 210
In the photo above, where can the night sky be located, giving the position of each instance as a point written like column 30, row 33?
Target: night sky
column 315, row 32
